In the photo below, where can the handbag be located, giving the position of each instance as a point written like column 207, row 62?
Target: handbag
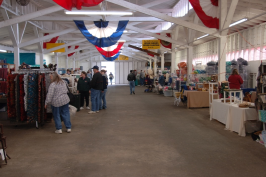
column 71, row 97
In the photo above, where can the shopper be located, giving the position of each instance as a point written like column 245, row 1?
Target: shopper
column 235, row 80
column 111, row 77
column 89, row 75
column 68, row 72
column 96, row 86
column 138, row 79
column 57, row 96
column 142, row 77
column 83, row 88
column 131, row 78
column 103, row 92
column 162, row 80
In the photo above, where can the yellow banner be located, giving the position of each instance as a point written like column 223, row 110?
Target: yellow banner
column 151, row 44
column 122, row 57
column 53, row 45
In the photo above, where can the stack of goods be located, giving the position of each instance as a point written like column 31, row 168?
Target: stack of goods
column 211, row 68
column 51, row 67
column 26, row 97
column 242, row 65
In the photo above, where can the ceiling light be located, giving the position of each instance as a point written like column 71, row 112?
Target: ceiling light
column 93, row 12
column 203, row 36
column 239, row 21
column 3, row 50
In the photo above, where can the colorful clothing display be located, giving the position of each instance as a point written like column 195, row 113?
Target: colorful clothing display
column 26, row 97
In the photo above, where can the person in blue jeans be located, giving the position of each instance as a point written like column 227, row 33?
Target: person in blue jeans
column 131, row 78
column 96, row 86
column 57, row 96
column 142, row 77
column 104, row 90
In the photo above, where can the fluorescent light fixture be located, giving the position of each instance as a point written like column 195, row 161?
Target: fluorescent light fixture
column 203, row 36
column 239, row 21
column 2, row 50
column 165, row 52
column 93, row 12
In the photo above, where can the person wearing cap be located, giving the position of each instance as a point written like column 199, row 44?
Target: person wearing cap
column 103, row 92
column 96, row 86
column 131, row 78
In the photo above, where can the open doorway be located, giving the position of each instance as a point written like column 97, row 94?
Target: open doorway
column 110, row 67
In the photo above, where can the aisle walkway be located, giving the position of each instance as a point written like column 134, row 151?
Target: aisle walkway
column 140, row 135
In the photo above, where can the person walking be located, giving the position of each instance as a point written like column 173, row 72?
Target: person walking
column 96, row 86
column 103, row 92
column 131, row 78
column 83, row 88
column 57, row 96
column 89, row 75
column 142, row 77
column 138, row 79
column 111, row 77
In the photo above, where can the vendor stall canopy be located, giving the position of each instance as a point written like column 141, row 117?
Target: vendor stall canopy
column 71, row 21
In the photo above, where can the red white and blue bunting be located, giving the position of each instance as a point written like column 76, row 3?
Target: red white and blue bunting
column 112, row 58
column 102, row 35
column 110, row 51
column 207, row 11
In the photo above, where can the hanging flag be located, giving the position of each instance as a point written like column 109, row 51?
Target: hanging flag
column 1, row 1
column 53, row 45
column 72, row 48
column 208, row 12
column 102, row 35
column 165, row 43
column 112, row 58
column 69, row 4
column 110, row 51
column 53, row 40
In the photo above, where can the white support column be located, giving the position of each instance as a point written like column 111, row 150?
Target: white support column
column 162, row 61
column 67, row 62
column 173, row 55
column 74, row 64
column 189, row 61
column 41, row 61
column 155, row 66
column 16, row 57
column 222, row 58
column 150, row 63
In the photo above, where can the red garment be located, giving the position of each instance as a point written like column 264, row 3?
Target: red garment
column 3, row 87
column 110, row 53
column 3, row 73
column 235, row 81
column 69, row 4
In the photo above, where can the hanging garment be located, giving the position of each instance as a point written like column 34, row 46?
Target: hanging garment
column 3, row 87
column 32, row 113
column 39, row 97
column 43, row 98
column 11, row 109
column 17, row 105
column 3, row 74
column 23, row 115
column 47, row 84
column 26, row 81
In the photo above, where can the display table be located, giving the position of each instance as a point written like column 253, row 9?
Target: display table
column 232, row 116
column 197, row 99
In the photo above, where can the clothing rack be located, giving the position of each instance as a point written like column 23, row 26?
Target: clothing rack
column 34, row 71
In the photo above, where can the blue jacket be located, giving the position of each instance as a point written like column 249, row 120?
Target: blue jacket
column 161, row 80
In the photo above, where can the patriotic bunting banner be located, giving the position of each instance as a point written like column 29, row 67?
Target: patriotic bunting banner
column 208, row 12
column 72, row 48
column 112, row 58
column 69, row 4
column 1, row 1
column 53, row 40
column 110, row 51
column 165, row 43
column 102, row 34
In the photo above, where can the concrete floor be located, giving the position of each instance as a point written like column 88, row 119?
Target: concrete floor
column 140, row 135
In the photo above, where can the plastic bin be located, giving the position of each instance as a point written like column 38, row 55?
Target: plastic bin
column 168, row 93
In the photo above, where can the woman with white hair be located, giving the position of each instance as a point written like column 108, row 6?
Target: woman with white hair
column 57, row 96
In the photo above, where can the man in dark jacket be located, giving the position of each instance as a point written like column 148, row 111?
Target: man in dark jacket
column 104, row 90
column 131, row 78
column 96, row 86
column 83, row 88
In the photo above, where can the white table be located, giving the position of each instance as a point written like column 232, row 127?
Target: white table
column 230, row 95
column 232, row 116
